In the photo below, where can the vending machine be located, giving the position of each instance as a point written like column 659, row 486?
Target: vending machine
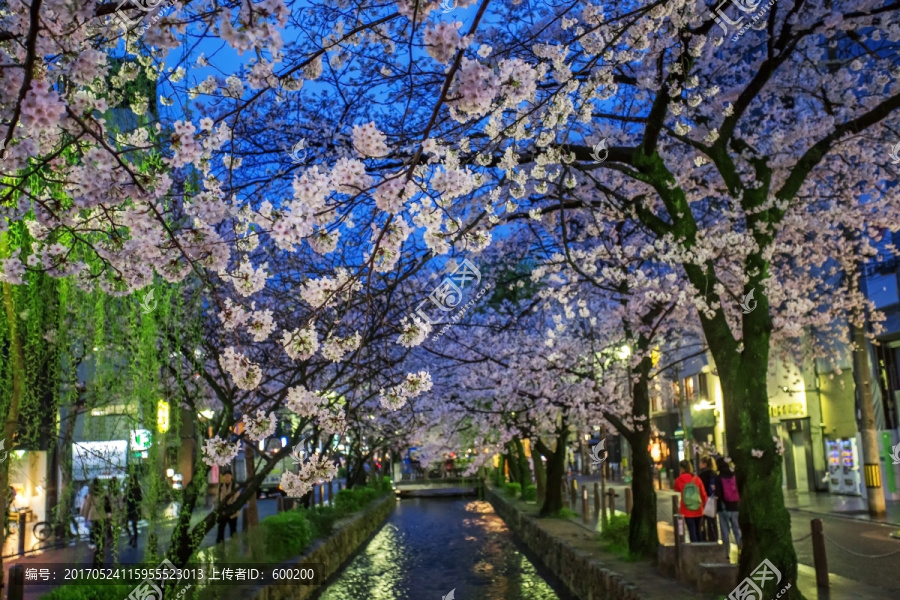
column 833, row 452
column 850, row 478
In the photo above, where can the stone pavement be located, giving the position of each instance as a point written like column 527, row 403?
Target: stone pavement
column 859, row 554
column 79, row 553
column 850, row 507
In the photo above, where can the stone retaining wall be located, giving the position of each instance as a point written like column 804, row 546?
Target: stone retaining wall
column 332, row 552
column 583, row 576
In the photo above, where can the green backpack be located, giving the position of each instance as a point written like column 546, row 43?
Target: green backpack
column 690, row 495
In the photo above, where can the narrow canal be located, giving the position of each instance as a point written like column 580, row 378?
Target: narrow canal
column 430, row 546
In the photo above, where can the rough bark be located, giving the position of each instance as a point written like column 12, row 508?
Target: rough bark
column 540, row 476
column 524, row 471
column 643, row 538
column 556, row 470
column 764, row 521
column 17, row 360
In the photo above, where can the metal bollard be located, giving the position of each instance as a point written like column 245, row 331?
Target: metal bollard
column 573, row 493
column 21, row 520
column 820, row 560
column 585, row 514
column 596, row 500
column 16, row 583
column 629, row 501
column 279, row 504
column 321, row 495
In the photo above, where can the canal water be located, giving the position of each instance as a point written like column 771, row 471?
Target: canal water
column 430, row 546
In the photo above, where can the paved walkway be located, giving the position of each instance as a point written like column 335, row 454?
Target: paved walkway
column 860, row 551
column 851, row 507
column 80, row 553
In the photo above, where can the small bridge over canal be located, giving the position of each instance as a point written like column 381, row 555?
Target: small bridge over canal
column 440, row 488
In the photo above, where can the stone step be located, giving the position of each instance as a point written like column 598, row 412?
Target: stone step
column 717, row 578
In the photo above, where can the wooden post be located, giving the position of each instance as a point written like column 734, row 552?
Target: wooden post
column 21, row 519
column 675, row 504
column 573, row 493
column 585, row 514
column 321, row 495
column 629, row 501
column 819, row 558
column 16, row 589
column 679, row 541
column 596, row 500
column 611, row 492
column 279, row 504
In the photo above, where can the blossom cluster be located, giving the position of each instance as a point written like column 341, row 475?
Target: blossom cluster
column 414, row 385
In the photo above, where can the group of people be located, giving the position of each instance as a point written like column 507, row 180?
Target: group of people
column 707, row 496
column 102, row 508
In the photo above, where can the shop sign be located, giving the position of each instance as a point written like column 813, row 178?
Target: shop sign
column 99, row 459
column 791, row 410
column 141, row 439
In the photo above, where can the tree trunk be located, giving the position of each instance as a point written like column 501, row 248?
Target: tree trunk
column 252, row 508
column 556, row 470
column 643, row 538
column 540, row 476
column 764, row 521
column 522, row 460
column 17, row 360
column 513, row 462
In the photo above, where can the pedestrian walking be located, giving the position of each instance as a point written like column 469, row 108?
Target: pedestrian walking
column 729, row 501
column 133, row 497
column 709, row 524
column 226, row 495
column 693, row 497
column 96, row 511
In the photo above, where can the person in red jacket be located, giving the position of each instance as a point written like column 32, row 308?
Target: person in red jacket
column 693, row 498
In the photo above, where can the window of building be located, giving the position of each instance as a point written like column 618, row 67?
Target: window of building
column 689, row 388
column 882, row 289
column 703, row 386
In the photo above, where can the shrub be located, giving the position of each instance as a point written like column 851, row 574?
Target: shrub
column 513, row 489
column 498, row 478
column 287, row 534
column 615, row 531
column 364, row 495
column 321, row 520
column 529, row 493
column 345, row 502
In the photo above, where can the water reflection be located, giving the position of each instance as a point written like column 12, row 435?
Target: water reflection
column 431, row 546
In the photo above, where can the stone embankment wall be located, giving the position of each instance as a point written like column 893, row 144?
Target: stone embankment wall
column 331, row 552
column 583, row 575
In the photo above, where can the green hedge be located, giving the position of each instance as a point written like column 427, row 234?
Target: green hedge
column 513, row 489
column 345, row 502
column 615, row 531
column 321, row 519
column 529, row 493
column 287, row 534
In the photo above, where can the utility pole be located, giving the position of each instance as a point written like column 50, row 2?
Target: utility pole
column 688, row 434
column 870, row 457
